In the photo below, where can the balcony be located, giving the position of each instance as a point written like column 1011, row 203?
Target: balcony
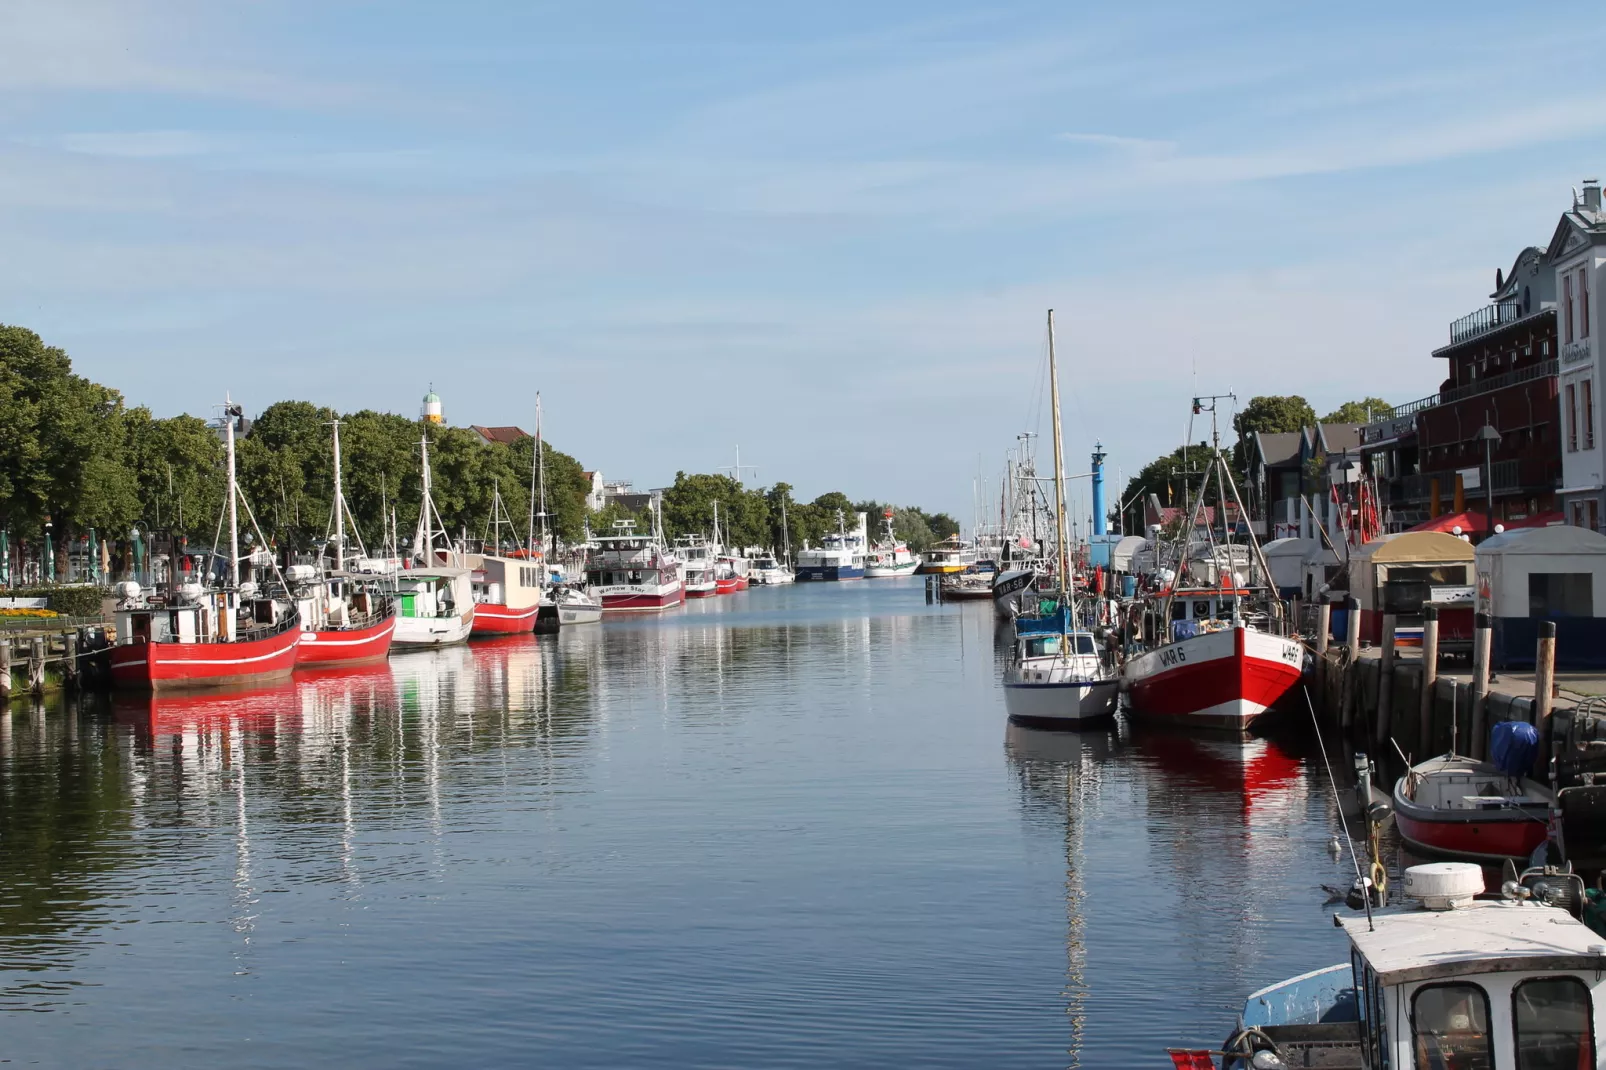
column 1517, row 475
column 1542, row 370
column 1485, row 320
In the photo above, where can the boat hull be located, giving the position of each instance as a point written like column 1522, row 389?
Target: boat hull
column 493, row 618
column 1223, row 680
column 1061, row 705
column 1436, row 817
column 433, row 631
column 642, row 601
column 828, row 573
column 889, row 572
column 771, row 578
column 188, row 666
column 701, row 590
column 341, row 647
column 928, row 569
column 729, row 585
column 1486, row 840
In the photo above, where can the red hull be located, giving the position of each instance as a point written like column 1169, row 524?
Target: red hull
column 1225, row 691
column 346, row 646
column 1498, row 837
column 701, row 592
column 729, row 586
column 164, row 666
column 641, row 603
column 493, row 618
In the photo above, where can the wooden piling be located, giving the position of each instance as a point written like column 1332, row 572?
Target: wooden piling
column 1478, row 715
column 69, row 662
column 36, row 667
column 1385, row 681
column 1324, row 624
column 5, row 670
column 1430, row 676
column 1544, row 683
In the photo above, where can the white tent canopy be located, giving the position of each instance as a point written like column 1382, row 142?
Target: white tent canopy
column 1550, row 571
column 1298, row 563
column 1123, row 552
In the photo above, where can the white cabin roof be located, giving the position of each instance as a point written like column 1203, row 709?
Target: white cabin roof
column 1485, row 936
column 1558, row 539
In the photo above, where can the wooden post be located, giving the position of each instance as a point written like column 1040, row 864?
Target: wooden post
column 1385, row 680
column 5, row 670
column 1352, row 626
column 1477, row 727
column 69, row 664
column 1544, row 683
column 1350, row 686
column 36, row 667
column 1430, row 676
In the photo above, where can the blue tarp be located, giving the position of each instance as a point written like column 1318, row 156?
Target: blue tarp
column 1512, row 747
column 1184, row 629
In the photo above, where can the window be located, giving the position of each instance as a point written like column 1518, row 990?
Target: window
column 1587, row 389
column 1567, row 308
column 1450, row 1028
column 1583, row 302
column 1561, row 594
column 1550, row 1018
column 1571, row 416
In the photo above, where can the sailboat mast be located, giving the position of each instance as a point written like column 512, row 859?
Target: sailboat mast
column 1059, row 478
column 234, row 494
column 426, row 530
column 340, row 508
column 540, row 467
column 786, row 534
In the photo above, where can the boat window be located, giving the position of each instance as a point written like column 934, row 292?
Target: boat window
column 1179, row 611
column 1450, row 1028
column 1043, row 646
column 1551, row 1019
column 1084, row 644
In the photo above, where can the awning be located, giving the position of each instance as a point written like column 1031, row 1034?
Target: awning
column 1473, row 523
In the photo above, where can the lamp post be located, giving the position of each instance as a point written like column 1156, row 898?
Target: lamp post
column 1490, row 438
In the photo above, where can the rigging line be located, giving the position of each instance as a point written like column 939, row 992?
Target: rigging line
column 1332, row 785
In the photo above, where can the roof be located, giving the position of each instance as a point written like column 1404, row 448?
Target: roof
column 505, row 435
column 1486, row 936
column 1561, row 539
column 1336, row 438
column 1278, row 447
column 431, row 396
column 1408, row 546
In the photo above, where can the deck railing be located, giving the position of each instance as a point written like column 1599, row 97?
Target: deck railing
column 1484, row 320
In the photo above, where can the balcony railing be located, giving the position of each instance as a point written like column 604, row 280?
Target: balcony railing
column 1542, row 370
column 1509, row 477
column 1484, row 320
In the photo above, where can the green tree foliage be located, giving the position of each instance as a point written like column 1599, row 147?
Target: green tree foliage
column 1360, row 412
column 744, row 515
column 177, row 466
column 1172, row 477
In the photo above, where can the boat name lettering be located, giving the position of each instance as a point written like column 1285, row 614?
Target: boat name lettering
column 1291, row 654
column 1172, row 655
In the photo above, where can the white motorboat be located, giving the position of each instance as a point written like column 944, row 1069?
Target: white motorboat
column 890, row 557
column 840, row 555
column 575, row 606
column 767, row 570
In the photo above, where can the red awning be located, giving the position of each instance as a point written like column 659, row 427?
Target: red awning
column 1473, row 523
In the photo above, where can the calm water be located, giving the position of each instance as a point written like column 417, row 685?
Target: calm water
column 784, row 828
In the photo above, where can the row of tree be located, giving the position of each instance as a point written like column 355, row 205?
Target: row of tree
column 1168, row 476
column 74, row 457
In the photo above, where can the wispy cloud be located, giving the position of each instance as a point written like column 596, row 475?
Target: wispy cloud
column 140, row 144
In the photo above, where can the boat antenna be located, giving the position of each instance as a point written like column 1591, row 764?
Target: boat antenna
column 1067, row 587
column 232, row 412
column 1332, row 785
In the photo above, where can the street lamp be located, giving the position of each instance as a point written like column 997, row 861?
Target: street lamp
column 1490, row 439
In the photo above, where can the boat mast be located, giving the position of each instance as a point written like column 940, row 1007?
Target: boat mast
column 340, row 508
column 540, row 467
column 716, row 525
column 1066, row 586
column 426, row 531
column 230, row 411
column 786, row 534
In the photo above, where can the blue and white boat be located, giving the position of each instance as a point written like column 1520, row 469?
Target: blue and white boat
column 840, row 556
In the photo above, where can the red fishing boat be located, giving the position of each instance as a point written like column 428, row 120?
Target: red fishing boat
column 728, row 582
column 507, row 594
column 630, row 572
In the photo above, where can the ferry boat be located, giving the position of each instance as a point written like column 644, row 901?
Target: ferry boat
column 698, row 570
column 191, row 637
column 840, row 555
column 506, row 592
column 949, row 555
column 768, row 571
column 890, row 557
column 1465, row 979
column 629, row 572
column 435, row 602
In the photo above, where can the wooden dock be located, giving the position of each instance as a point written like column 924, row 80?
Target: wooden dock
column 70, row 653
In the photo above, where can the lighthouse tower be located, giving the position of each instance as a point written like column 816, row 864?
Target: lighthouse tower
column 432, row 408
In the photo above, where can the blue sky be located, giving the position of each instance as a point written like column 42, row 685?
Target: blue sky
column 825, row 232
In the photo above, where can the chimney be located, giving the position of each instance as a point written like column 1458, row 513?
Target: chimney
column 1592, row 194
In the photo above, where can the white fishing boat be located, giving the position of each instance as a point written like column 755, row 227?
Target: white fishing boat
column 840, row 555
column 435, row 600
column 1056, row 678
column 890, row 557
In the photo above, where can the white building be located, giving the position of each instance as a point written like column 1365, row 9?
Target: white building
column 1578, row 251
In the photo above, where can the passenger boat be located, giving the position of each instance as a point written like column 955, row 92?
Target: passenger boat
column 949, row 555
column 1056, row 678
column 890, row 557
column 698, row 570
column 1222, row 655
column 190, row 637
column 506, row 592
column 348, row 617
column 629, row 572
column 1464, row 980
column 574, row 605
column 768, row 571
column 1471, row 809
column 840, row 555
column 436, row 595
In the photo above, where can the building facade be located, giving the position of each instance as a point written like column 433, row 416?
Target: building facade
column 1577, row 254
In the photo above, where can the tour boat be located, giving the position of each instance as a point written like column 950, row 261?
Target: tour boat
column 435, row 600
column 190, row 637
column 698, row 570
column 507, row 594
column 890, row 557
column 1466, row 979
column 768, row 571
column 347, row 618
column 840, row 555
column 1458, row 806
column 574, row 605
column 949, row 555
column 629, row 572
column 1056, row 678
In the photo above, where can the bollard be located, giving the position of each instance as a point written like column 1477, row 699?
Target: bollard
column 1430, row 676
column 1477, row 717
column 1544, row 683
column 1385, row 679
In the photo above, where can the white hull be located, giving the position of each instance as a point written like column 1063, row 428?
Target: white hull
column 1064, row 704
column 433, row 631
column 579, row 614
column 886, row 572
column 770, row 577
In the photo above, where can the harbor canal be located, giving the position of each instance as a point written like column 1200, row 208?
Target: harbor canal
column 787, row 828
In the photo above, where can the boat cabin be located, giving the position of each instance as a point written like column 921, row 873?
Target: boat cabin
column 434, row 592
column 1195, row 610
column 194, row 615
column 1053, row 645
column 1469, row 982
column 506, row 581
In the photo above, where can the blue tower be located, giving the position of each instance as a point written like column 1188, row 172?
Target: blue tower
column 1101, row 524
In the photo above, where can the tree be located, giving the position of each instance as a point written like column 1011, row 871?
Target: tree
column 1269, row 413
column 1360, row 412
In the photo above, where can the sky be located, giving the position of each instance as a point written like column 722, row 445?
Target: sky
column 826, row 233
